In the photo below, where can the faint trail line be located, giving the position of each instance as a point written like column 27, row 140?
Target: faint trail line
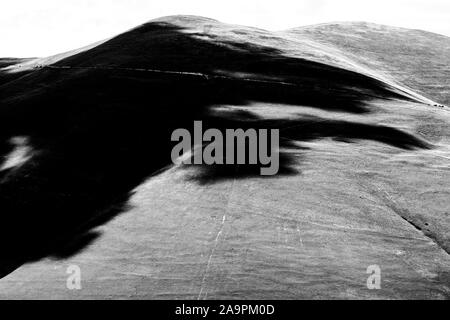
column 299, row 235
column 216, row 76
column 186, row 73
column 216, row 242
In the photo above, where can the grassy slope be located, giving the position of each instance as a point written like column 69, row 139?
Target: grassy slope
column 358, row 190
column 415, row 58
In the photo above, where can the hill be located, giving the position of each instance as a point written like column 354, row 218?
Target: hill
column 87, row 177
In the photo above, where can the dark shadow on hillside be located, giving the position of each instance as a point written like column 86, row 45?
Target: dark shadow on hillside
column 97, row 134
column 292, row 132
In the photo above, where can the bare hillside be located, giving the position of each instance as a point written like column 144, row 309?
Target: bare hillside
column 87, row 180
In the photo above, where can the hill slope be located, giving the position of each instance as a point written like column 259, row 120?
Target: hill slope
column 415, row 58
column 85, row 138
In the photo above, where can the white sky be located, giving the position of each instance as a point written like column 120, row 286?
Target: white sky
column 46, row 27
